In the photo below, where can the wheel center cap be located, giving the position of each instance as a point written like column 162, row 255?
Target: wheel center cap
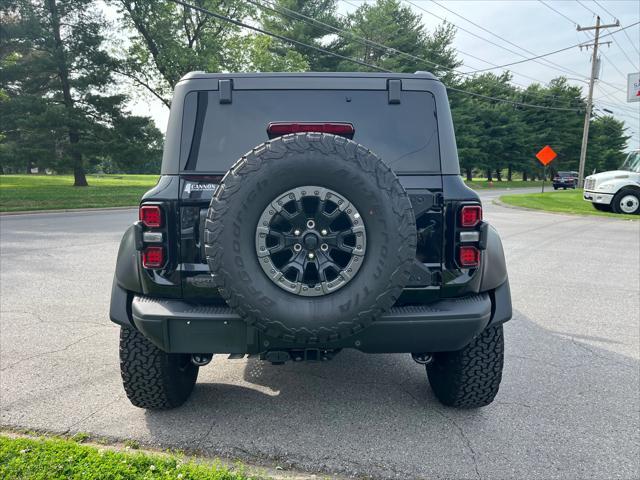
column 311, row 241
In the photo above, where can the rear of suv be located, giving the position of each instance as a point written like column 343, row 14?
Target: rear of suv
column 300, row 214
column 565, row 180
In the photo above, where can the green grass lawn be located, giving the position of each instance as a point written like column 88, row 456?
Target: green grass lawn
column 480, row 184
column 569, row 201
column 58, row 459
column 50, row 192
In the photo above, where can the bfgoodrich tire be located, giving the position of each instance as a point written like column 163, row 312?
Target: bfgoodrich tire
column 154, row 379
column 469, row 378
column 281, row 167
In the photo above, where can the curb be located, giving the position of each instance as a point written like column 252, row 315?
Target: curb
column 67, row 210
column 496, row 201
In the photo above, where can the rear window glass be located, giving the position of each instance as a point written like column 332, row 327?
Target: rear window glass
column 215, row 135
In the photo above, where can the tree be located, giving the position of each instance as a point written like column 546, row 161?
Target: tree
column 57, row 107
column 607, row 142
column 312, row 22
column 169, row 41
column 398, row 28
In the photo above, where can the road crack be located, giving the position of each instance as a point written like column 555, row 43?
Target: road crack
column 42, row 354
column 465, row 440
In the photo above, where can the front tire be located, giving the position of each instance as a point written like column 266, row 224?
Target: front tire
column 469, row 378
column 154, row 379
column 626, row 201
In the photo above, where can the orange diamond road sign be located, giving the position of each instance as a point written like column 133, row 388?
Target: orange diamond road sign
column 546, row 155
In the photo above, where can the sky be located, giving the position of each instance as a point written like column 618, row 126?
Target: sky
column 528, row 28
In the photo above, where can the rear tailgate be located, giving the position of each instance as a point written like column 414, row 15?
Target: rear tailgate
column 400, row 125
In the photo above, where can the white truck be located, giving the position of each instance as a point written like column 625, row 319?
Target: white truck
column 617, row 190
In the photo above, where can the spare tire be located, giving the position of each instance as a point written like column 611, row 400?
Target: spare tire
column 310, row 237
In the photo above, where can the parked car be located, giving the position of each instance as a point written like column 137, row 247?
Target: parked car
column 617, row 190
column 565, row 180
column 301, row 214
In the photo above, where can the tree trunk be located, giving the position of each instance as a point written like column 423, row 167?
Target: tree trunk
column 524, row 176
column 489, row 177
column 469, row 174
column 509, row 173
column 498, row 174
column 80, row 179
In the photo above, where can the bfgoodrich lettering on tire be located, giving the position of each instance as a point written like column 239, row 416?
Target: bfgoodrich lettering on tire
column 285, row 168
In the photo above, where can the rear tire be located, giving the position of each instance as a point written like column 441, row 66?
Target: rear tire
column 469, row 378
column 154, row 379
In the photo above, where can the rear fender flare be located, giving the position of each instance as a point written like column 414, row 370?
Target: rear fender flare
column 494, row 266
column 127, row 272
column 127, row 278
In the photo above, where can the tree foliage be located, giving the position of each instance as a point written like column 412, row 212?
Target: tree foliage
column 58, row 109
column 395, row 26
column 66, row 79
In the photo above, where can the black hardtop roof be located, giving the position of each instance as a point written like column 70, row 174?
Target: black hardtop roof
column 211, row 75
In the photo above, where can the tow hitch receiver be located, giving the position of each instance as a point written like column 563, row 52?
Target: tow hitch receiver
column 279, row 357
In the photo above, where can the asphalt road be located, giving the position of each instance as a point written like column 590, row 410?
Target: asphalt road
column 568, row 407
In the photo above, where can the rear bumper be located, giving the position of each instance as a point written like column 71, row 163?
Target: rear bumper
column 180, row 327
column 597, row 197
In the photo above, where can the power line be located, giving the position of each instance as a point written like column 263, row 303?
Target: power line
column 625, row 33
column 573, row 22
column 275, row 35
column 296, row 42
column 513, row 102
column 546, row 63
column 557, row 11
column 301, row 17
column 604, row 9
column 292, row 14
column 631, row 42
column 586, row 8
column 475, row 35
column 615, row 40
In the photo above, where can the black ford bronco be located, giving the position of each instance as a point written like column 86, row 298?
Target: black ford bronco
column 300, row 214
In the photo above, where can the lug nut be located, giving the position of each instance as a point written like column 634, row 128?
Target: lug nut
column 311, row 224
column 297, row 247
column 296, row 232
column 324, row 231
column 311, row 255
column 324, row 247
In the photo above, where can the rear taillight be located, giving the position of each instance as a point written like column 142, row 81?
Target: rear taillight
column 150, row 216
column 276, row 129
column 470, row 216
column 153, row 257
column 468, row 256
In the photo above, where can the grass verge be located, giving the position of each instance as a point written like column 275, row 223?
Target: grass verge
column 52, row 192
column 55, row 192
column 57, row 459
column 479, row 184
column 564, row 202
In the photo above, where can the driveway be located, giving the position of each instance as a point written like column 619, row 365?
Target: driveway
column 568, row 406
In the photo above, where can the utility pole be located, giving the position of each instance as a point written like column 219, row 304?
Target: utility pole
column 594, row 73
